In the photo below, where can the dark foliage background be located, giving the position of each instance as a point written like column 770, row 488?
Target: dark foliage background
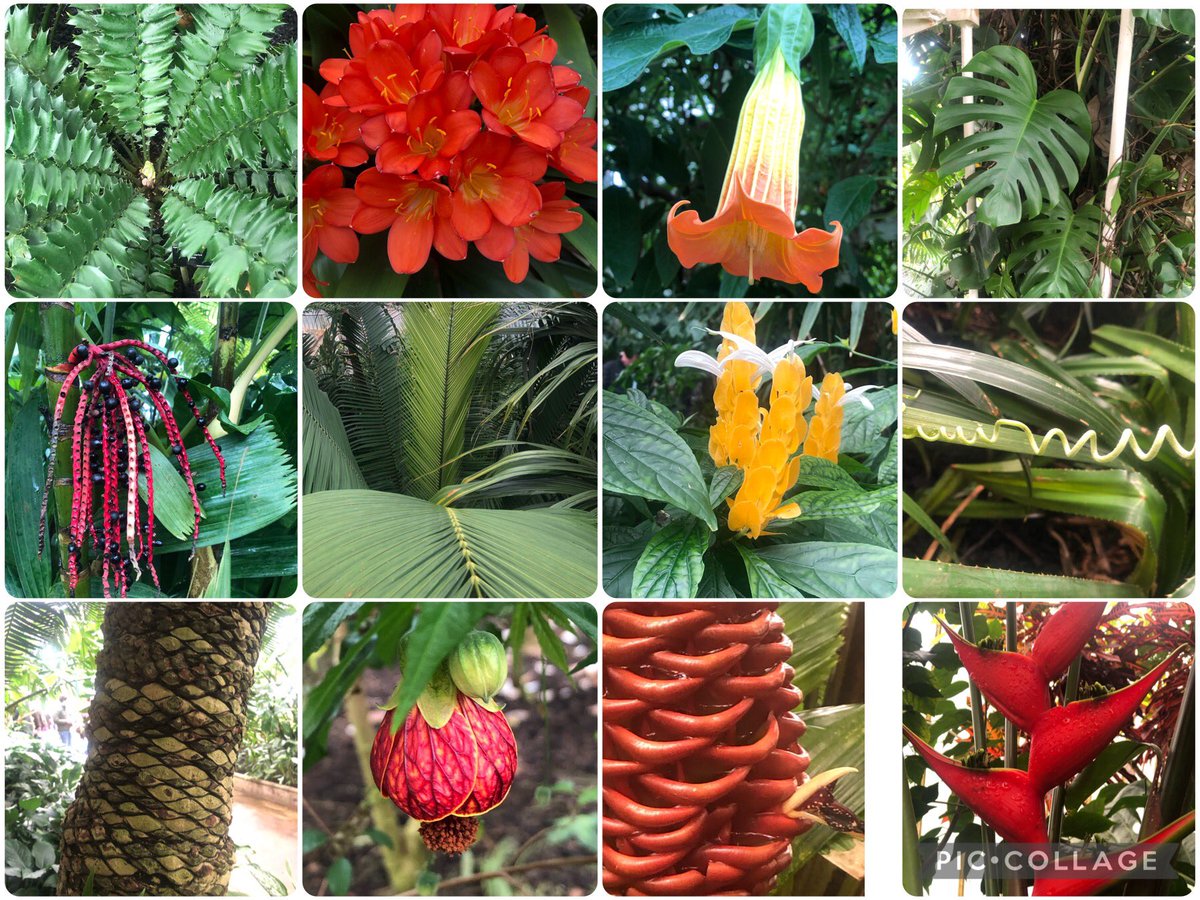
column 667, row 137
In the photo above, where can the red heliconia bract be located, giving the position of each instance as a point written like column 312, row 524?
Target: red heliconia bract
column 1006, row 799
column 448, row 774
column 109, row 451
column 1067, row 738
column 705, row 781
column 1011, row 681
column 1063, row 635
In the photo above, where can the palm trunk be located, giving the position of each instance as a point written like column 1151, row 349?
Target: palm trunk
column 151, row 815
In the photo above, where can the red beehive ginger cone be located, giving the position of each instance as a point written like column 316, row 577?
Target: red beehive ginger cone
column 705, row 781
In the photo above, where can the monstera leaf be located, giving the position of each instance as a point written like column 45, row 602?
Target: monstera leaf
column 1058, row 247
column 1029, row 148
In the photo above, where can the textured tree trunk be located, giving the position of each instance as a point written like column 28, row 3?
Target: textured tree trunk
column 151, row 815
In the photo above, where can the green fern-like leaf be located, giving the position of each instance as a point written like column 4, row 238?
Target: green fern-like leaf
column 1055, row 252
column 94, row 254
column 250, row 122
column 249, row 239
column 129, row 50
column 225, row 40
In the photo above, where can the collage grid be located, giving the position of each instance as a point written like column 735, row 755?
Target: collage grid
column 492, row 535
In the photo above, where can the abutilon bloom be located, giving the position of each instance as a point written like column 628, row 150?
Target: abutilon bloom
column 765, row 443
column 463, row 108
column 753, row 233
column 446, row 776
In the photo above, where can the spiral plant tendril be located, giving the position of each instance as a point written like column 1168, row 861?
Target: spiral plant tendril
column 1088, row 441
column 109, row 452
column 705, row 781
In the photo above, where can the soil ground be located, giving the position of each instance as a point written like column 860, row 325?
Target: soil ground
column 265, row 834
column 560, row 747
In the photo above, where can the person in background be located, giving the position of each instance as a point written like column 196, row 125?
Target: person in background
column 614, row 367
column 63, row 720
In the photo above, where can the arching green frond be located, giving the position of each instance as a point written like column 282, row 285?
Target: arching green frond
column 224, row 40
column 249, row 240
column 328, row 460
column 443, row 345
column 246, row 123
column 98, row 252
column 372, row 544
column 129, row 50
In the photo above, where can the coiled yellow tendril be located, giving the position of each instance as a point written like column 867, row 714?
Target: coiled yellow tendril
column 1089, row 440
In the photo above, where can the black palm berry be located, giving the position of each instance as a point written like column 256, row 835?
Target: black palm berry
column 201, row 420
column 200, row 487
column 105, row 385
column 110, row 403
column 172, row 363
column 81, row 349
column 97, row 442
column 88, row 384
column 97, row 478
column 114, row 517
column 72, row 547
column 127, row 383
column 176, row 449
column 157, row 542
column 133, row 356
column 181, row 381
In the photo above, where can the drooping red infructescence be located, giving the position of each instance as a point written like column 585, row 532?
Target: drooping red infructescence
column 705, row 781
column 109, row 451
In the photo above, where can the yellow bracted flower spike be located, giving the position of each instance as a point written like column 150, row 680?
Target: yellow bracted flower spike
column 766, row 442
column 825, row 430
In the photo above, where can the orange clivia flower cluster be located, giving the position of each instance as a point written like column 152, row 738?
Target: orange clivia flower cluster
column 461, row 113
column 766, row 443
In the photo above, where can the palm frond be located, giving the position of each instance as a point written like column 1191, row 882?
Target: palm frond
column 329, row 463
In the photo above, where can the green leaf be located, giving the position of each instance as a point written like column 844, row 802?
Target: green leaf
column 622, row 244
column 883, row 44
column 1108, row 762
column 725, row 481
column 1027, row 147
column 375, row 544
column 565, row 26
column 24, row 480
column 787, row 27
column 643, row 457
column 923, row 578
column 848, row 22
column 835, row 504
column 322, row 703
column 313, row 840
column 321, row 620
column 261, row 487
column 439, row 629
column 1054, row 252
column 172, row 502
column 329, row 462
column 672, row 564
column 630, row 48
column 225, row 271
column 819, row 569
column 337, row 877
column 1167, row 353
column 849, row 201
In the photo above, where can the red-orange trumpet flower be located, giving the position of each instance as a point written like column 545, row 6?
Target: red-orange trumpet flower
column 753, row 233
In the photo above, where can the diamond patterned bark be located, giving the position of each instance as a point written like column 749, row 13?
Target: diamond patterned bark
column 152, row 812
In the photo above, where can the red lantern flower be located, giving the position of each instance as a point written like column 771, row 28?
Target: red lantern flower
column 445, row 776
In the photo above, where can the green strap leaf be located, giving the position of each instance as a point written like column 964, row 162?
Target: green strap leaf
column 819, row 569
column 923, row 578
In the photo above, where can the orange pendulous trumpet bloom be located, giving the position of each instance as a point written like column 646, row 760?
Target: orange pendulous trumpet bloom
column 753, row 233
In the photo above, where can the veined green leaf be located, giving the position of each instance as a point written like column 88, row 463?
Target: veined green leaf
column 672, row 563
column 819, row 569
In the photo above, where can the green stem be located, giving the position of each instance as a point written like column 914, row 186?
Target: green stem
column 1081, row 75
column 237, row 397
column 1058, row 795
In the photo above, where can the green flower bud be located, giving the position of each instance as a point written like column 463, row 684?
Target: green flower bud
column 479, row 666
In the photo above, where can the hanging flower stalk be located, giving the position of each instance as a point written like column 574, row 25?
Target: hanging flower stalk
column 109, row 451
column 454, row 756
column 753, row 233
column 766, row 443
column 1064, row 740
column 705, row 780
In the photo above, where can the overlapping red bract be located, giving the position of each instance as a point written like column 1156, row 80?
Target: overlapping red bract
column 461, row 112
